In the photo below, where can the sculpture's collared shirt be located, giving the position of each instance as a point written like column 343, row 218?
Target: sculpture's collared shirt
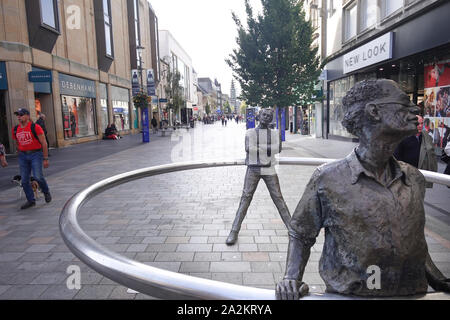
column 367, row 223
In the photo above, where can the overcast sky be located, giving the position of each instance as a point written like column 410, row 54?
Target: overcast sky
column 206, row 31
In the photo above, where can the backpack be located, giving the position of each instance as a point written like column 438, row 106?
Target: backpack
column 33, row 130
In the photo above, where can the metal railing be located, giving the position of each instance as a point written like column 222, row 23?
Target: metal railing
column 165, row 284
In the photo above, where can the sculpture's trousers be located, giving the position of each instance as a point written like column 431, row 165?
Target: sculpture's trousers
column 252, row 177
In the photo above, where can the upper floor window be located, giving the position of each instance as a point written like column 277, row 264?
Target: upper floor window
column 137, row 28
column 108, row 27
column 368, row 13
column 390, row 6
column 350, row 18
column 49, row 13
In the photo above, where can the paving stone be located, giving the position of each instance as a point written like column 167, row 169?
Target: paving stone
column 255, row 256
column 230, row 266
column 229, row 277
column 23, row 292
column 175, row 256
column 194, row 247
column 41, row 248
column 137, row 248
column 231, row 256
column 10, row 256
column 50, row 278
column 244, row 247
column 197, row 266
column 177, row 240
column 265, row 266
column 3, row 288
column 198, row 239
column 58, row 292
column 258, row 278
column 154, row 240
column 120, row 293
column 267, row 247
column 89, row 292
column 145, row 256
column 222, row 247
column 166, row 247
column 207, row 256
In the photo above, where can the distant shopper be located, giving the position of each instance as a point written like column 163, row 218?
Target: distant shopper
column 154, row 125
column 41, row 122
column 418, row 151
column 3, row 161
column 33, row 154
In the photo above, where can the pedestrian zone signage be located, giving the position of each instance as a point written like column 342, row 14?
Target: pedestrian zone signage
column 373, row 52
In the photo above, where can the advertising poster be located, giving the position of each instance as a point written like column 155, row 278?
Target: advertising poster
column 151, row 89
column 437, row 90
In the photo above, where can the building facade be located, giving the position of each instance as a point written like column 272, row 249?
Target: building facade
column 403, row 40
column 72, row 61
column 179, row 60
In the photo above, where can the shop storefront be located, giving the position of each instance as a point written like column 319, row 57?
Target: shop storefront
column 78, row 106
column 419, row 64
column 121, row 108
column 104, row 116
column 4, row 131
column 43, row 99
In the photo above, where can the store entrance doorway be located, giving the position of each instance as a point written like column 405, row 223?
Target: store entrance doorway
column 4, row 135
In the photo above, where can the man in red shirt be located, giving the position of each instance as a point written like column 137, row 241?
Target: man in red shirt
column 33, row 154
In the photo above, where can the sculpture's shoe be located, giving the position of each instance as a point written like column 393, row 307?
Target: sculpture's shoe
column 232, row 238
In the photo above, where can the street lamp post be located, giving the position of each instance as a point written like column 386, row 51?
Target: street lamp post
column 144, row 111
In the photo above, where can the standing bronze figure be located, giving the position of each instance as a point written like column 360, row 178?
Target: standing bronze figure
column 370, row 205
column 261, row 145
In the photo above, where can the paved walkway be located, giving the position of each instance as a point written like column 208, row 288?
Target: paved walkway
column 177, row 221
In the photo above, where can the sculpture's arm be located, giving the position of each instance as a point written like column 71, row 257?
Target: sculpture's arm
column 435, row 277
column 292, row 287
column 305, row 226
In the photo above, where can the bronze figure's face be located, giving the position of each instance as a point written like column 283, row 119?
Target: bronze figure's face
column 266, row 116
column 397, row 113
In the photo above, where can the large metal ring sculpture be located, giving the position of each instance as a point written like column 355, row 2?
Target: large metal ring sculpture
column 166, row 284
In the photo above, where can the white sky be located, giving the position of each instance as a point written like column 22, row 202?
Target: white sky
column 206, row 31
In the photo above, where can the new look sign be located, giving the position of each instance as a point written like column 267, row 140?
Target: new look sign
column 373, row 52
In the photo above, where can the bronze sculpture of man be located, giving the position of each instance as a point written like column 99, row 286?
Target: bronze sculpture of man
column 370, row 205
column 261, row 145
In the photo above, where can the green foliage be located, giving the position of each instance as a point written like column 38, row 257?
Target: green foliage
column 275, row 63
column 142, row 100
column 227, row 107
column 243, row 107
column 174, row 91
column 208, row 109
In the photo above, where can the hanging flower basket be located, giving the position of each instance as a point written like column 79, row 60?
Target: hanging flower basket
column 142, row 100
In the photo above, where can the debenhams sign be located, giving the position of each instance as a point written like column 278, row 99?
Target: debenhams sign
column 373, row 52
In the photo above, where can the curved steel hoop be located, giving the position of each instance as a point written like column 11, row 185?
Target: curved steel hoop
column 166, row 284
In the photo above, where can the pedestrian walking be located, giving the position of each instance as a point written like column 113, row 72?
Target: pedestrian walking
column 41, row 121
column 33, row 155
column 3, row 161
column 154, row 125
column 418, row 151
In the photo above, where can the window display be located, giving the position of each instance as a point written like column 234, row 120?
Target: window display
column 78, row 116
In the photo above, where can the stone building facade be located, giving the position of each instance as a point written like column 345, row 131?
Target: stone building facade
column 72, row 61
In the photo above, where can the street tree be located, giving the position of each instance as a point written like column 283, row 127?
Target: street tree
column 174, row 91
column 275, row 62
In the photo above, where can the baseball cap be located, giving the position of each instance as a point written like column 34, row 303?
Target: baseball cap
column 21, row 112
